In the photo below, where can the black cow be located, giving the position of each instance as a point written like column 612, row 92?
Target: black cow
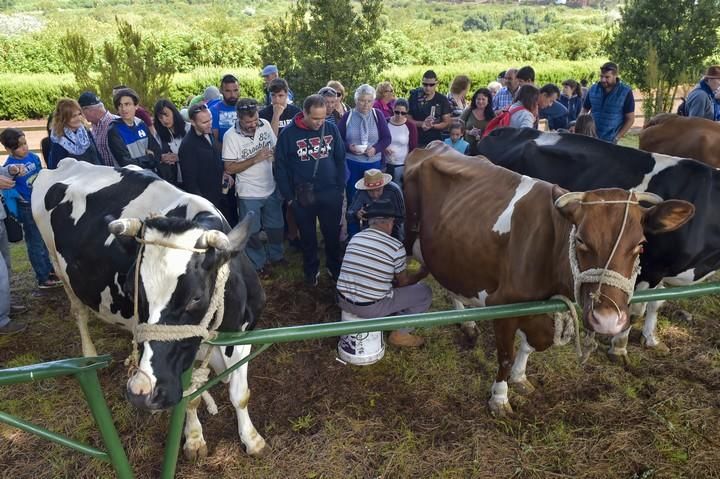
column 580, row 163
column 189, row 250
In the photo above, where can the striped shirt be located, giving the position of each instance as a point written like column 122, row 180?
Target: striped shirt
column 371, row 261
column 100, row 132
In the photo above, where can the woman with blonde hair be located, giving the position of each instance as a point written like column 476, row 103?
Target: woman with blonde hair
column 69, row 137
column 385, row 98
column 341, row 106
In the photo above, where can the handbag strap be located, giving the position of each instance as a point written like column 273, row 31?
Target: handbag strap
column 322, row 144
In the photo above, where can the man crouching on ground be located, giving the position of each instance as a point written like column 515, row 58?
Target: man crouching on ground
column 374, row 281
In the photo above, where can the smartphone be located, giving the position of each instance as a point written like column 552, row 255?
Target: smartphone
column 432, row 111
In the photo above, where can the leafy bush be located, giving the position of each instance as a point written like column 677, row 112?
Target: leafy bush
column 34, row 95
column 478, row 22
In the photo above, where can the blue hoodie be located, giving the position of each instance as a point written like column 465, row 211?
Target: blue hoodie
column 297, row 150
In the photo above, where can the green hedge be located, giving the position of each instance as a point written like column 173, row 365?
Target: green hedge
column 24, row 96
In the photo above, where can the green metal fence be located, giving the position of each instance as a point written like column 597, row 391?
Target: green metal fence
column 85, row 369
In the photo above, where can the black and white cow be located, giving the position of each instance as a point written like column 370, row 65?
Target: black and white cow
column 187, row 242
column 580, row 163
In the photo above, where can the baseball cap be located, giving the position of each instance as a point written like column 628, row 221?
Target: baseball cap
column 88, row 98
column 269, row 70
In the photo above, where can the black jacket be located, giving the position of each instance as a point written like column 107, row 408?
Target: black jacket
column 201, row 166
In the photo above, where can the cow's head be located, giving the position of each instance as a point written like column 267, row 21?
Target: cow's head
column 607, row 239
column 178, row 270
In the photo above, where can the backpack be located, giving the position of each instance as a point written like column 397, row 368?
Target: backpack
column 681, row 108
column 500, row 120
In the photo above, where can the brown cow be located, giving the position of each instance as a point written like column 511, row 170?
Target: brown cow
column 491, row 236
column 687, row 137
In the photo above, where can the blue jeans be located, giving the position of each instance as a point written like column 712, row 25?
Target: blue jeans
column 37, row 252
column 357, row 170
column 4, row 280
column 326, row 210
column 268, row 217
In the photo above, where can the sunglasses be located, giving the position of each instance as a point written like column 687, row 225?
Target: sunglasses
column 429, row 84
column 397, row 112
column 249, row 107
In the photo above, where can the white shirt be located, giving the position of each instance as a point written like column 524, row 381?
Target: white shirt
column 399, row 145
column 257, row 181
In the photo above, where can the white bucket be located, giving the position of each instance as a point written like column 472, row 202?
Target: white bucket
column 360, row 349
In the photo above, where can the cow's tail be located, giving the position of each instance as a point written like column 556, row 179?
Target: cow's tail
column 658, row 119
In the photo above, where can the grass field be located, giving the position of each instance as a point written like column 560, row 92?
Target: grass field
column 415, row 414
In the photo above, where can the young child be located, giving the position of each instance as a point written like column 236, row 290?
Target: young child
column 457, row 131
column 17, row 148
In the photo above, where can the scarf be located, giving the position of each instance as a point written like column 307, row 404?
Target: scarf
column 74, row 142
column 364, row 126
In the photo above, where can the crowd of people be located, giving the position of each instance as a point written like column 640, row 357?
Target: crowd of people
column 326, row 163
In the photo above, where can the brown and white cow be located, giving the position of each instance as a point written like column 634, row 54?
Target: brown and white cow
column 491, row 236
column 687, row 137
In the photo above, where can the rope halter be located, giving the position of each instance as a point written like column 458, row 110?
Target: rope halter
column 604, row 276
column 167, row 332
column 564, row 329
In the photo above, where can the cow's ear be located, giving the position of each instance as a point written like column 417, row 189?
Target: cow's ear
column 667, row 216
column 239, row 235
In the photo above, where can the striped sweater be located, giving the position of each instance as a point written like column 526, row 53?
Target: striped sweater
column 371, row 261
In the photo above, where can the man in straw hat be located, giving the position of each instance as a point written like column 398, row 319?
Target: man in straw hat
column 373, row 262
column 704, row 100
column 374, row 186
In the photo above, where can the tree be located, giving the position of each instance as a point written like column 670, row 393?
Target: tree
column 319, row 40
column 660, row 44
column 478, row 22
column 133, row 61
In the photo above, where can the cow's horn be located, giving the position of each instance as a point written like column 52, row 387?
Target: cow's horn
column 125, row 226
column 214, row 239
column 572, row 197
column 648, row 197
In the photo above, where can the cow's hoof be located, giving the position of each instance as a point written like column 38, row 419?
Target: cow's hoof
column 618, row 358
column 654, row 345
column 523, row 387
column 500, row 409
column 258, row 447
column 195, row 450
column 682, row 316
column 470, row 329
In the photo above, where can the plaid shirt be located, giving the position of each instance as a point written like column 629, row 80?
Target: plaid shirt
column 100, row 133
column 503, row 99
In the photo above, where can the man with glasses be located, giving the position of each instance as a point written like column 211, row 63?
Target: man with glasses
column 279, row 112
column 95, row 112
column 310, row 162
column 429, row 111
column 199, row 157
column 504, row 97
column 248, row 154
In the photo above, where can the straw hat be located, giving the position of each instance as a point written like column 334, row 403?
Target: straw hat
column 373, row 179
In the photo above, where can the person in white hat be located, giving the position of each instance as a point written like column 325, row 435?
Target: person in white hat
column 374, row 186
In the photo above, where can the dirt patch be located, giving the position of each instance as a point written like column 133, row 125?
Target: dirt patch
column 416, row 413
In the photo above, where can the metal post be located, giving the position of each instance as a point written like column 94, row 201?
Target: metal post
column 96, row 401
column 177, row 420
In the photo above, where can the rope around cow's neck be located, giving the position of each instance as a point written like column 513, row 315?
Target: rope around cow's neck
column 600, row 276
column 166, row 332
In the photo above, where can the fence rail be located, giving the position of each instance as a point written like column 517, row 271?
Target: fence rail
column 85, row 369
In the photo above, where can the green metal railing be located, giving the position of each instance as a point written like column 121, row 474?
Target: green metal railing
column 84, row 369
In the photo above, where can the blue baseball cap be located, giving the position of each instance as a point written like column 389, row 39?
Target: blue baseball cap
column 269, row 70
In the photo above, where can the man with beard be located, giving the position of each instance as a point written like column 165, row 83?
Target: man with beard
column 223, row 112
column 248, row 154
column 611, row 103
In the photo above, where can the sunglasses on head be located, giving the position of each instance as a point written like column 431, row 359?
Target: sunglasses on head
column 398, row 112
column 248, row 107
column 428, row 84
